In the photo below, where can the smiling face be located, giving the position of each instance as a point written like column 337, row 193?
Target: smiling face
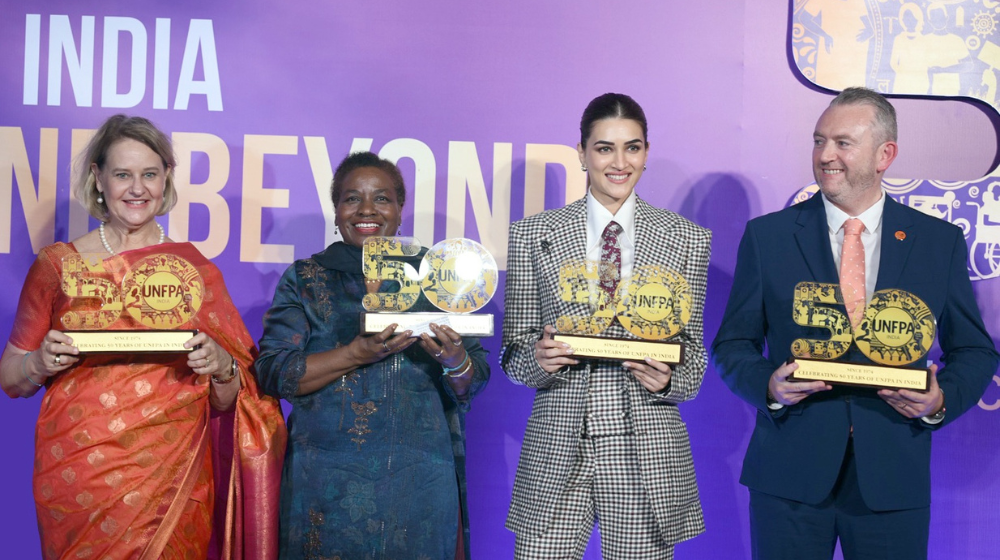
column 849, row 157
column 132, row 182
column 615, row 155
column 368, row 206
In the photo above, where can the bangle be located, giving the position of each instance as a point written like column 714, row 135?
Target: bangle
column 233, row 374
column 463, row 368
column 25, row 372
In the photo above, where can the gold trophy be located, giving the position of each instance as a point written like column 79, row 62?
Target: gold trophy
column 458, row 276
column 159, row 292
column 897, row 329
column 653, row 304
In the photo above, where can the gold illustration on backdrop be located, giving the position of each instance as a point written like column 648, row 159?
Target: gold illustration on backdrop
column 941, row 48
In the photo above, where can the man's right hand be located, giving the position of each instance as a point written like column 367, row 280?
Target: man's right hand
column 788, row 392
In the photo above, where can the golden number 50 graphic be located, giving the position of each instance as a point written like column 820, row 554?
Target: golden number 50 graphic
column 653, row 304
column 897, row 328
column 160, row 291
column 456, row 275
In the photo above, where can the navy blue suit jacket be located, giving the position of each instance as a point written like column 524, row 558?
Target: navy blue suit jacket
column 796, row 453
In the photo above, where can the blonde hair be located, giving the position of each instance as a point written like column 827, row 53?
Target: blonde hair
column 114, row 129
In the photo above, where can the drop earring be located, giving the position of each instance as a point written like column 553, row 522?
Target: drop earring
column 643, row 167
column 100, row 199
column 336, row 230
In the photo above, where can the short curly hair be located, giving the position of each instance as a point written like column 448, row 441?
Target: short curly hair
column 114, row 129
column 357, row 160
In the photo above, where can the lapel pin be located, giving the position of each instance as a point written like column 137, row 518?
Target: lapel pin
column 900, row 235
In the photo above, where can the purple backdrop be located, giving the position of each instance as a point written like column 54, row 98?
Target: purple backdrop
column 482, row 105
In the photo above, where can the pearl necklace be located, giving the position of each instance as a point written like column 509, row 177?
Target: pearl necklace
column 107, row 247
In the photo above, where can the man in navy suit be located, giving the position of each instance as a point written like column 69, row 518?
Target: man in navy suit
column 828, row 462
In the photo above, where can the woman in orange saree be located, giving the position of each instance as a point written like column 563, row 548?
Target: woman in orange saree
column 142, row 455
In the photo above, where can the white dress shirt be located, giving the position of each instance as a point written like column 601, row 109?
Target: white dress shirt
column 871, row 238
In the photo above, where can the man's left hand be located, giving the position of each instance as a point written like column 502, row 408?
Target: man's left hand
column 914, row 404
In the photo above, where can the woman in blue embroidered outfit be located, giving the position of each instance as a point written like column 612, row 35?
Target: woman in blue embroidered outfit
column 375, row 466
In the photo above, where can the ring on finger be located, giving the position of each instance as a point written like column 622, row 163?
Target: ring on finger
column 456, row 342
column 438, row 354
column 57, row 359
column 386, row 346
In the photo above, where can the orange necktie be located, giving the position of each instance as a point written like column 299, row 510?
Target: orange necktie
column 852, row 270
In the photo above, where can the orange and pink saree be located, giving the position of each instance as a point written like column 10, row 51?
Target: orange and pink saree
column 130, row 459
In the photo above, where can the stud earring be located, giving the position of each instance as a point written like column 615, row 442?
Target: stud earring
column 100, row 199
column 583, row 168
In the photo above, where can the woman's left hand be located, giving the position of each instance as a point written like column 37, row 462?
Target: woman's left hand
column 208, row 358
column 448, row 349
column 654, row 375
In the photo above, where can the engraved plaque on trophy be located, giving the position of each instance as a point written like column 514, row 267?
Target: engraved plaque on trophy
column 896, row 330
column 653, row 304
column 457, row 276
column 158, row 293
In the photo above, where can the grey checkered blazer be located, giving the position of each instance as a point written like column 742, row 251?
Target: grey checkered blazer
column 538, row 245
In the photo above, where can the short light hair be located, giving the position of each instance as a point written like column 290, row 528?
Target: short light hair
column 114, row 129
column 885, row 113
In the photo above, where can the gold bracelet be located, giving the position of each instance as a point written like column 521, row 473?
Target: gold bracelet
column 234, row 373
column 465, row 367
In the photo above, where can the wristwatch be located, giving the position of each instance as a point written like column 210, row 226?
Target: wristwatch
column 935, row 418
column 772, row 403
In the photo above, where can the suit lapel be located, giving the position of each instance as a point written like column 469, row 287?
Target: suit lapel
column 565, row 238
column 653, row 239
column 814, row 240
column 894, row 251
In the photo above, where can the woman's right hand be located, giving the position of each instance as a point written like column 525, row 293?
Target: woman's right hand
column 552, row 356
column 55, row 355
column 323, row 368
column 377, row 347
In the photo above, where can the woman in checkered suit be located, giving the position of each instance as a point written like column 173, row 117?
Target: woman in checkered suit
column 605, row 440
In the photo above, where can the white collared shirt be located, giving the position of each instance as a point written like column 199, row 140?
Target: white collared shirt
column 598, row 218
column 871, row 238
